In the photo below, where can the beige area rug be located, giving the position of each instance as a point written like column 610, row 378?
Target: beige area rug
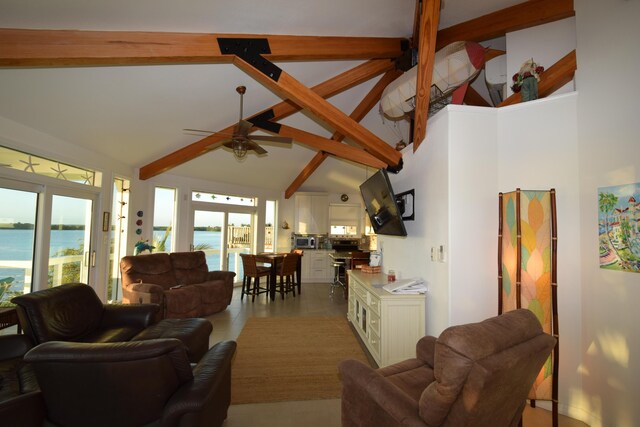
column 291, row 358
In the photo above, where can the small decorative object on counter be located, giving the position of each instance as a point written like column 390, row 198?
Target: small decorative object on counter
column 371, row 269
column 391, row 276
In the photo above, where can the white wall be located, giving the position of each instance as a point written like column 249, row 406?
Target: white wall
column 538, row 150
column 470, row 155
column 608, row 129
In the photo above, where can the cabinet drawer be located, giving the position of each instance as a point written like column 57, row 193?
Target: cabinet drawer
column 359, row 290
column 373, row 303
column 374, row 344
column 374, row 323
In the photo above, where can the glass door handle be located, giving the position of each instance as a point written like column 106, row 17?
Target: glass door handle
column 93, row 258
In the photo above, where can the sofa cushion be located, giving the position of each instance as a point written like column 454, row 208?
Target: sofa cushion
column 153, row 268
column 214, row 296
column 189, row 267
column 182, row 302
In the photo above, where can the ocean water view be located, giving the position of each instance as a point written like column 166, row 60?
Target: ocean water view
column 16, row 252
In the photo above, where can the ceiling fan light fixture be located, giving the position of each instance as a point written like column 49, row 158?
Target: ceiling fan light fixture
column 239, row 149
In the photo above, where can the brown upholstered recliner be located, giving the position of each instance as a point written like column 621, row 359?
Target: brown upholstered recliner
column 180, row 282
column 132, row 383
column 73, row 312
column 472, row 375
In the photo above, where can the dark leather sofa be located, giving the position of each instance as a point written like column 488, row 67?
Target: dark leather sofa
column 21, row 403
column 73, row 312
column 136, row 383
column 179, row 282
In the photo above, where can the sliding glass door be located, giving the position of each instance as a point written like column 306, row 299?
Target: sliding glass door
column 223, row 236
column 70, row 258
column 17, row 241
column 45, row 237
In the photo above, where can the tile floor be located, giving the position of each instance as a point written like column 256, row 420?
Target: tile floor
column 314, row 301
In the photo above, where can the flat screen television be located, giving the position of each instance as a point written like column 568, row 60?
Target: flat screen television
column 380, row 203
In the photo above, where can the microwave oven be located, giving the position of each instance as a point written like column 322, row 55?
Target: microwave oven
column 302, row 241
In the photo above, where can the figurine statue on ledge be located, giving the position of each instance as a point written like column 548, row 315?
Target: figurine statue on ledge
column 142, row 246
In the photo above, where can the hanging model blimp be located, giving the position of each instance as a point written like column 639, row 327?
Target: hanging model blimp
column 455, row 65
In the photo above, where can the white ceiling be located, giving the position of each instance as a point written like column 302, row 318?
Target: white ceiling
column 136, row 114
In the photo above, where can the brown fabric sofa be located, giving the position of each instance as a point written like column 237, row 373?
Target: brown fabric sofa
column 180, row 282
column 137, row 383
column 472, row 375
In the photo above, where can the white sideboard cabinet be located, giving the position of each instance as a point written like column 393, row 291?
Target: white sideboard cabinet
column 390, row 325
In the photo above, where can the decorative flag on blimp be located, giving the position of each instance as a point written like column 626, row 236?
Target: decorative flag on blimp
column 455, row 65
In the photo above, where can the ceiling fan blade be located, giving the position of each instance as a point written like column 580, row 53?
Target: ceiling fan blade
column 255, row 147
column 200, row 132
column 271, row 138
column 243, row 127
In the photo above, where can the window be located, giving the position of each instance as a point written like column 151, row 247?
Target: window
column 225, row 199
column 344, row 219
column 17, row 242
column 269, row 226
column 164, row 209
column 31, row 163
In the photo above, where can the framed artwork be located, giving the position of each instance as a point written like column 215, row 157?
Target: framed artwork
column 618, row 231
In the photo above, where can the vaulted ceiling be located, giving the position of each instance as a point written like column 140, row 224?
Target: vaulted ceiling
column 136, row 73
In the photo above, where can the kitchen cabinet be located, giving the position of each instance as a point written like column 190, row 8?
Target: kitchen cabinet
column 389, row 324
column 311, row 213
column 316, row 266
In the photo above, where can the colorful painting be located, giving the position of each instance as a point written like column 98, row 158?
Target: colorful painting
column 618, row 229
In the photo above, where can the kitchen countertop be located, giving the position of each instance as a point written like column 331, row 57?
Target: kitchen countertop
column 343, row 255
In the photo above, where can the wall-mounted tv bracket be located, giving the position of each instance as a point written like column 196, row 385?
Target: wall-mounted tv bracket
column 251, row 50
column 406, row 204
column 397, row 168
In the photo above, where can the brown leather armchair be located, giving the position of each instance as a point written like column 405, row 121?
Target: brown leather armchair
column 21, row 402
column 73, row 312
column 472, row 375
column 132, row 383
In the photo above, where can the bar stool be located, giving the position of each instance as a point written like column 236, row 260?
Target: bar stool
column 253, row 271
column 339, row 276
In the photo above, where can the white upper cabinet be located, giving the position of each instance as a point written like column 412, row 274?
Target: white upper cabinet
column 311, row 213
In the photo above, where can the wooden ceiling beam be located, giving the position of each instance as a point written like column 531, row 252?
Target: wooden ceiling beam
column 308, row 170
column 289, row 88
column 326, row 89
column 70, row 48
column 552, row 79
column 363, row 108
column 331, row 146
column 497, row 24
column 429, row 19
column 472, row 97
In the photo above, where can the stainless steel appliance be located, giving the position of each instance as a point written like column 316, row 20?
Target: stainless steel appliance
column 305, row 241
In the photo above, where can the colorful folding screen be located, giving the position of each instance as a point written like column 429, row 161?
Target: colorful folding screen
column 527, row 264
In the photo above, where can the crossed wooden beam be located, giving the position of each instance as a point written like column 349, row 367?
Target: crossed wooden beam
column 254, row 54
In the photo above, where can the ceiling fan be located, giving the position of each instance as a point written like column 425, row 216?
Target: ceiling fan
column 240, row 141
